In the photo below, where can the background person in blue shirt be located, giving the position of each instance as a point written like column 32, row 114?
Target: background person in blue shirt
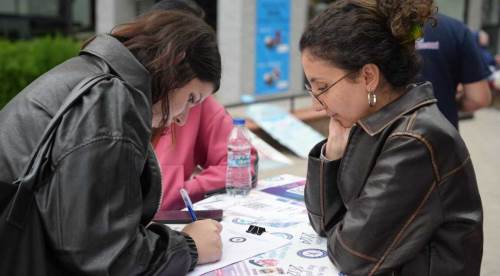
column 483, row 41
column 452, row 57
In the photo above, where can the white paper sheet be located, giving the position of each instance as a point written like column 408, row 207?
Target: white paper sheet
column 258, row 205
column 282, row 126
column 306, row 255
column 279, row 180
column 269, row 157
column 237, row 245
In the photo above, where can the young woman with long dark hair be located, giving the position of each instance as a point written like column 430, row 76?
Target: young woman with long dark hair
column 104, row 186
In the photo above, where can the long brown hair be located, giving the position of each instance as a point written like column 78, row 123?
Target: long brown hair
column 176, row 47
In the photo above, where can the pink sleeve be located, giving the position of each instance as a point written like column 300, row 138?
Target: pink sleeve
column 202, row 141
column 211, row 151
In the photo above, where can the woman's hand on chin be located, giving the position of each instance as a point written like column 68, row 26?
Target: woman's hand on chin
column 338, row 136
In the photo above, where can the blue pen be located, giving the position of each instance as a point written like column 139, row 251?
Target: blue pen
column 189, row 204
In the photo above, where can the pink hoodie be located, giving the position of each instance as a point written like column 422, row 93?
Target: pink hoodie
column 201, row 141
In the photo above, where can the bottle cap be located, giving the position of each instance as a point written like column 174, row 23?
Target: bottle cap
column 238, row 121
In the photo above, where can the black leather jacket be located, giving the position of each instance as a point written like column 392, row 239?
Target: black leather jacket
column 403, row 200
column 106, row 185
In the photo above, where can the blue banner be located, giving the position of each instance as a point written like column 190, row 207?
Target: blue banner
column 272, row 57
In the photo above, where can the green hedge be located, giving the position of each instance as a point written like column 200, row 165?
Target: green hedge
column 21, row 62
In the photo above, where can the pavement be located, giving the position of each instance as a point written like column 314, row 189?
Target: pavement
column 482, row 136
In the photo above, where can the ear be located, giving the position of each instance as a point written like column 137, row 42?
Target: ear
column 370, row 74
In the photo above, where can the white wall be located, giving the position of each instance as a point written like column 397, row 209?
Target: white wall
column 453, row 8
column 110, row 13
column 236, row 33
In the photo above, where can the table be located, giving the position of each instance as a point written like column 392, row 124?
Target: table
column 277, row 205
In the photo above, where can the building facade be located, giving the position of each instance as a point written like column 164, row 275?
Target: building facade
column 250, row 70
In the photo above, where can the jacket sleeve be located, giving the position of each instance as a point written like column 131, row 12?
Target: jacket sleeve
column 394, row 215
column 211, row 154
column 324, row 204
column 92, row 210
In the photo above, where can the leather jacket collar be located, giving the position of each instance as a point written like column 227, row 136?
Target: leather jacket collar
column 121, row 60
column 416, row 96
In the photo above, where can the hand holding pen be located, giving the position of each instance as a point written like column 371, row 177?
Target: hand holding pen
column 188, row 203
column 205, row 233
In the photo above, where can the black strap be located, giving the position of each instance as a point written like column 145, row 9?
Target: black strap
column 40, row 158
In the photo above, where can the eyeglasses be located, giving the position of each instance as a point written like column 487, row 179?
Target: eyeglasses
column 323, row 91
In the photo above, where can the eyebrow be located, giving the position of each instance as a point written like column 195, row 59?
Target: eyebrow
column 318, row 80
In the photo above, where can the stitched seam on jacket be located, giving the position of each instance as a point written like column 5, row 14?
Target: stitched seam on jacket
column 426, row 143
column 92, row 141
column 354, row 252
column 399, row 236
column 412, row 121
column 371, row 133
column 455, row 170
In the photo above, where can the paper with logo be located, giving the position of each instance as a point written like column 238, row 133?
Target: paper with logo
column 305, row 255
column 294, row 190
column 279, row 180
column 238, row 245
column 260, row 206
column 304, row 252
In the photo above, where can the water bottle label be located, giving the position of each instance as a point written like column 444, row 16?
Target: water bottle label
column 238, row 160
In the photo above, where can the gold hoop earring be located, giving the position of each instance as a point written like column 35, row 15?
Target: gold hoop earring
column 372, row 99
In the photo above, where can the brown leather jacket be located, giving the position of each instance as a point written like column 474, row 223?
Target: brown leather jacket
column 403, row 200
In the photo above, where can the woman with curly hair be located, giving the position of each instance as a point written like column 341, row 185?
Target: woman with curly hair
column 392, row 187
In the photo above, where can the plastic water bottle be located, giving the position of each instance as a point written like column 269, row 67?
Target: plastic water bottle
column 238, row 174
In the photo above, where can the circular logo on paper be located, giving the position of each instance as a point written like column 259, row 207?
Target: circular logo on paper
column 312, row 253
column 237, row 239
column 283, row 235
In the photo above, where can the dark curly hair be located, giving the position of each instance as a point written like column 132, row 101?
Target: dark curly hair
column 352, row 33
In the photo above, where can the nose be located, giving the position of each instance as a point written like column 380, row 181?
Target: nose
column 317, row 106
column 181, row 119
